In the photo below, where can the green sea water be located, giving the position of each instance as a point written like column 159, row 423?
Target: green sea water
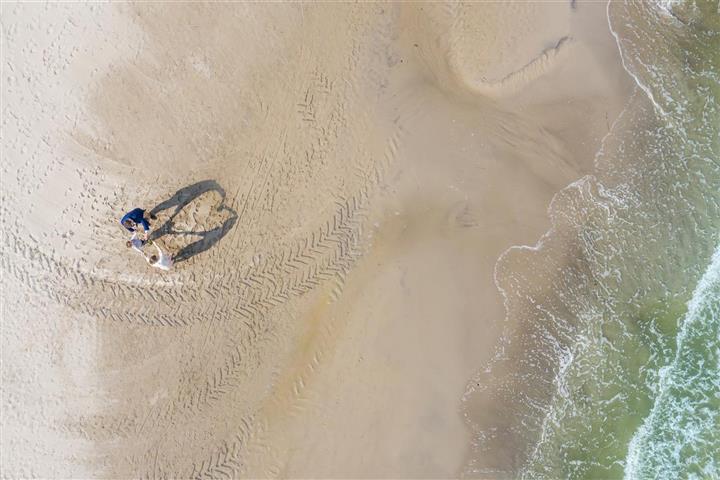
column 617, row 352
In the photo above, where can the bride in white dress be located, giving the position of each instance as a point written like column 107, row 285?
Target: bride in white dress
column 160, row 260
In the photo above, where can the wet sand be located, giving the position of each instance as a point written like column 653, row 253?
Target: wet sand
column 378, row 160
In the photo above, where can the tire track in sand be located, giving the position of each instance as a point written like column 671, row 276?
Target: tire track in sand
column 326, row 255
column 294, row 271
column 243, row 299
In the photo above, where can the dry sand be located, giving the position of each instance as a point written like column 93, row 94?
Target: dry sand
column 371, row 161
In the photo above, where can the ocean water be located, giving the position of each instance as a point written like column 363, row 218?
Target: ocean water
column 611, row 368
column 681, row 435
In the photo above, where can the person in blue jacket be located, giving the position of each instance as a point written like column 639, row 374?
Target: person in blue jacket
column 134, row 218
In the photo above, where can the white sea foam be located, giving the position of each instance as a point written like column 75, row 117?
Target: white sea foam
column 641, row 228
column 639, row 83
column 649, row 451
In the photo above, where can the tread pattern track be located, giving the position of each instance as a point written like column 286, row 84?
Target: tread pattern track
column 325, row 255
column 294, row 271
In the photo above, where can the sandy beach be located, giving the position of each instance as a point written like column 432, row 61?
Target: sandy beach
column 341, row 180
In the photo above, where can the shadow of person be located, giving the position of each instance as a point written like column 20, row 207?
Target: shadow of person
column 179, row 201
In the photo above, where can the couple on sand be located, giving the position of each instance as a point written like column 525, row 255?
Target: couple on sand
column 131, row 221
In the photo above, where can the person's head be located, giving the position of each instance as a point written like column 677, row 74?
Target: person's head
column 128, row 244
column 153, row 258
column 128, row 223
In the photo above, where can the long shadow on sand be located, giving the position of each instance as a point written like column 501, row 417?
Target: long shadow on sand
column 180, row 200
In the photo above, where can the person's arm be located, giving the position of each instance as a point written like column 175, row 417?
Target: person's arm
column 122, row 222
column 145, row 225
